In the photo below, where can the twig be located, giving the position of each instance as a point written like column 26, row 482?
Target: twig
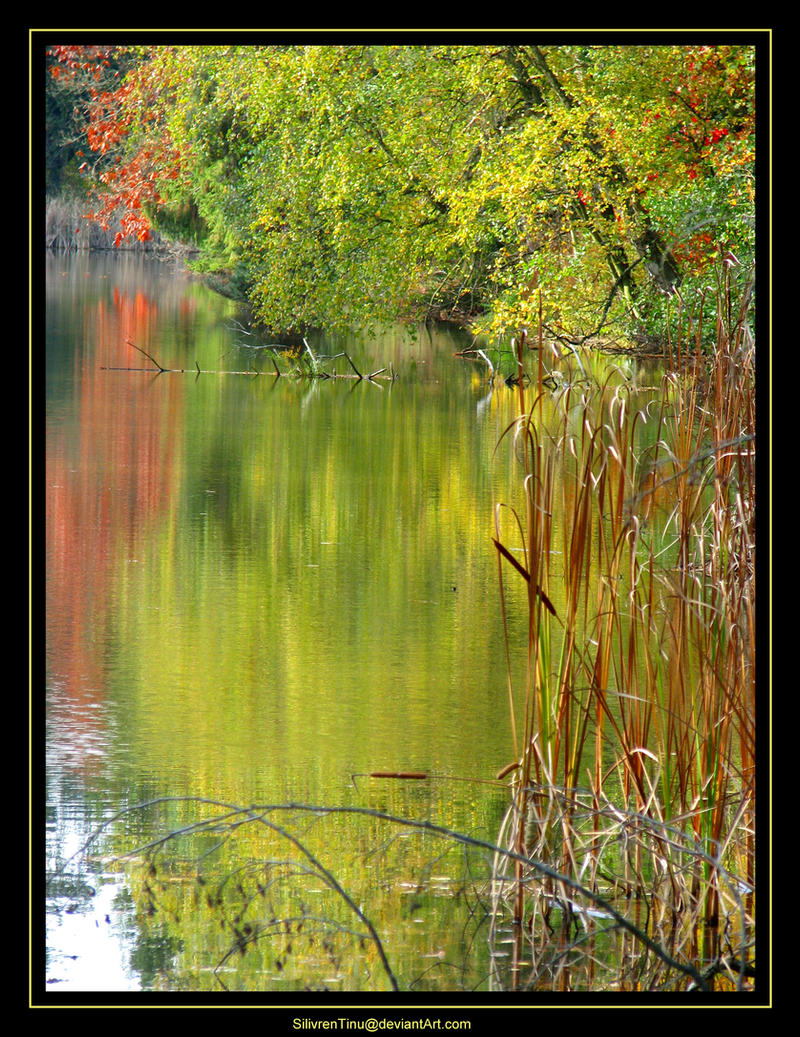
column 258, row 812
column 314, row 363
column 145, row 353
column 257, row 815
column 358, row 373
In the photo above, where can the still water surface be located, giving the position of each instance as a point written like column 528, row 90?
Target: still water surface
column 257, row 588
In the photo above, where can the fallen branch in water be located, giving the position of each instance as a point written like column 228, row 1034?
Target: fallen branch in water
column 145, row 353
column 230, row 817
column 316, row 373
column 398, row 774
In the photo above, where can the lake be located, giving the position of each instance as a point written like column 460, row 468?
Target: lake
column 278, row 660
column 261, row 590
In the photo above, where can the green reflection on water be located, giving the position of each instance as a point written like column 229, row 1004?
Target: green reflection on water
column 258, row 586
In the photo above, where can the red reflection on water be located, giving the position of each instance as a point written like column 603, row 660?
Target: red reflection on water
column 109, row 474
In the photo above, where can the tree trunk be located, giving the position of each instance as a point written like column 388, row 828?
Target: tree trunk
column 659, row 262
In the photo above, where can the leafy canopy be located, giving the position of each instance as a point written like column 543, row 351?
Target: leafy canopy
column 352, row 185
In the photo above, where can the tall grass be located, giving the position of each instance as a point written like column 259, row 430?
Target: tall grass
column 68, row 229
column 633, row 712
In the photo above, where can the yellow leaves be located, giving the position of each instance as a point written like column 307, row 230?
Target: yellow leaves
column 378, row 164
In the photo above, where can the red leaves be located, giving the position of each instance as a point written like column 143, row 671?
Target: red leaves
column 716, row 135
column 75, row 62
column 697, row 252
column 125, row 190
column 708, row 98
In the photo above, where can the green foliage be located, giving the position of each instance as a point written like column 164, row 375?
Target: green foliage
column 358, row 184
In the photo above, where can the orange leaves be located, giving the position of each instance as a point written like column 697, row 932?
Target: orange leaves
column 127, row 176
column 706, row 104
column 697, row 252
column 82, row 63
column 133, row 222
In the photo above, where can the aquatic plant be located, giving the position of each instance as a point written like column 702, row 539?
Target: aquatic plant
column 634, row 717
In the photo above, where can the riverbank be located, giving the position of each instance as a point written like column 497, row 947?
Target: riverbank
column 67, row 228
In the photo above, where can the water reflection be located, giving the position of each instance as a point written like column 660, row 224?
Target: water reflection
column 258, row 587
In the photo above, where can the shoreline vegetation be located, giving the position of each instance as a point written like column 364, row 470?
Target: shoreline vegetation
column 634, row 718
column 348, row 186
column 68, row 228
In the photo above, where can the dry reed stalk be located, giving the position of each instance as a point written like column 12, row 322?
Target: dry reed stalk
column 662, row 673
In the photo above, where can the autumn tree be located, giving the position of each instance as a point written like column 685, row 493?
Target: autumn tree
column 590, row 187
column 73, row 74
column 349, row 185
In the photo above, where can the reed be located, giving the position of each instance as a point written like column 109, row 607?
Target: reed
column 69, row 229
column 633, row 716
